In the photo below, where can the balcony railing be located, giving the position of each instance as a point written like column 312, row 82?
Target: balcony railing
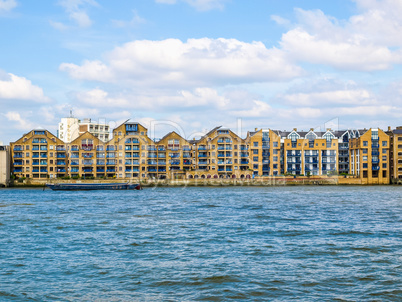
column 19, row 148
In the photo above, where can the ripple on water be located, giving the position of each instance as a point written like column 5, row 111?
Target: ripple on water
column 202, row 244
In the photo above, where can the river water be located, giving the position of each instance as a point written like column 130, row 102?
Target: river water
column 324, row 243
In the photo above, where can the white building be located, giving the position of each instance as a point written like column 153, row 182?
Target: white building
column 68, row 129
column 99, row 130
column 4, row 165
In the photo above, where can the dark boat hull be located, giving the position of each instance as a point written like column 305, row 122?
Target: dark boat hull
column 101, row 186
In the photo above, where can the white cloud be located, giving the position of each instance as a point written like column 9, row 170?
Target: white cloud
column 22, row 124
column 20, row 88
column 76, row 11
column 7, row 5
column 58, row 25
column 365, row 42
column 196, row 62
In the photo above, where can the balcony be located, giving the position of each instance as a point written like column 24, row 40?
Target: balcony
column 43, row 162
column 35, row 148
column 18, row 170
column 87, row 162
column 243, row 148
column 243, row 155
column 43, row 170
column 244, row 162
column 109, row 170
column 61, row 170
column 87, row 155
column 203, row 162
column 127, row 148
column 161, row 149
column 202, row 156
column 224, row 147
column 100, row 169
column 100, row 162
column 298, row 161
column 152, row 162
column 175, row 155
column 60, row 155
column 18, row 156
column 151, row 148
column 202, row 148
column 110, row 148
column 375, row 161
column 161, row 162
column 224, row 141
column 60, row 148
column 43, row 155
column 136, row 155
column 74, row 148
column 110, row 155
column 152, row 155
column 75, row 163
column 19, row 163
column 35, row 170
column 175, row 162
column 152, row 170
column 60, row 163
column 161, row 170
column 18, row 148
column 74, row 170
column 186, row 162
column 376, row 168
column 110, row 162
column 87, row 169
column 375, row 153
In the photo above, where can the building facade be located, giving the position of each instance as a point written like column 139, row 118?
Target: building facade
column 4, row 165
column 369, row 156
column 395, row 154
column 39, row 154
column 310, row 153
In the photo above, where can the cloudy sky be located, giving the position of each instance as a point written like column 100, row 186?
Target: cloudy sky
column 190, row 65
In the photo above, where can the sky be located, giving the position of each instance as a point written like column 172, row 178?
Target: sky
column 191, row 65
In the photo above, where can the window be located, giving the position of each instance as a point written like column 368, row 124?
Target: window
column 255, row 167
column 255, row 158
column 384, row 165
column 384, row 151
column 384, row 158
column 27, row 154
column 384, row 143
column 275, row 151
column 255, row 144
column 365, row 158
column 275, row 144
column 365, row 151
column 27, row 147
column 275, row 166
column 275, row 158
column 364, row 165
column 255, row 151
column 365, row 143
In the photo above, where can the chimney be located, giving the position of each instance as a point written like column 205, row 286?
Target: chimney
column 294, row 129
column 255, row 129
column 389, row 128
column 311, row 129
column 329, row 129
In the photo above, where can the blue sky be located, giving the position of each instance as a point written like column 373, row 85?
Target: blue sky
column 190, row 65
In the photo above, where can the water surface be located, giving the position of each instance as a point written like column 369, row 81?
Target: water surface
column 202, row 244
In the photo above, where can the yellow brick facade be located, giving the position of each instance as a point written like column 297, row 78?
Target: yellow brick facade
column 374, row 156
column 369, row 157
column 39, row 154
column 310, row 153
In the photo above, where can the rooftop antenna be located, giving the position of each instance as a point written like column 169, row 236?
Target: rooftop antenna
column 71, row 112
